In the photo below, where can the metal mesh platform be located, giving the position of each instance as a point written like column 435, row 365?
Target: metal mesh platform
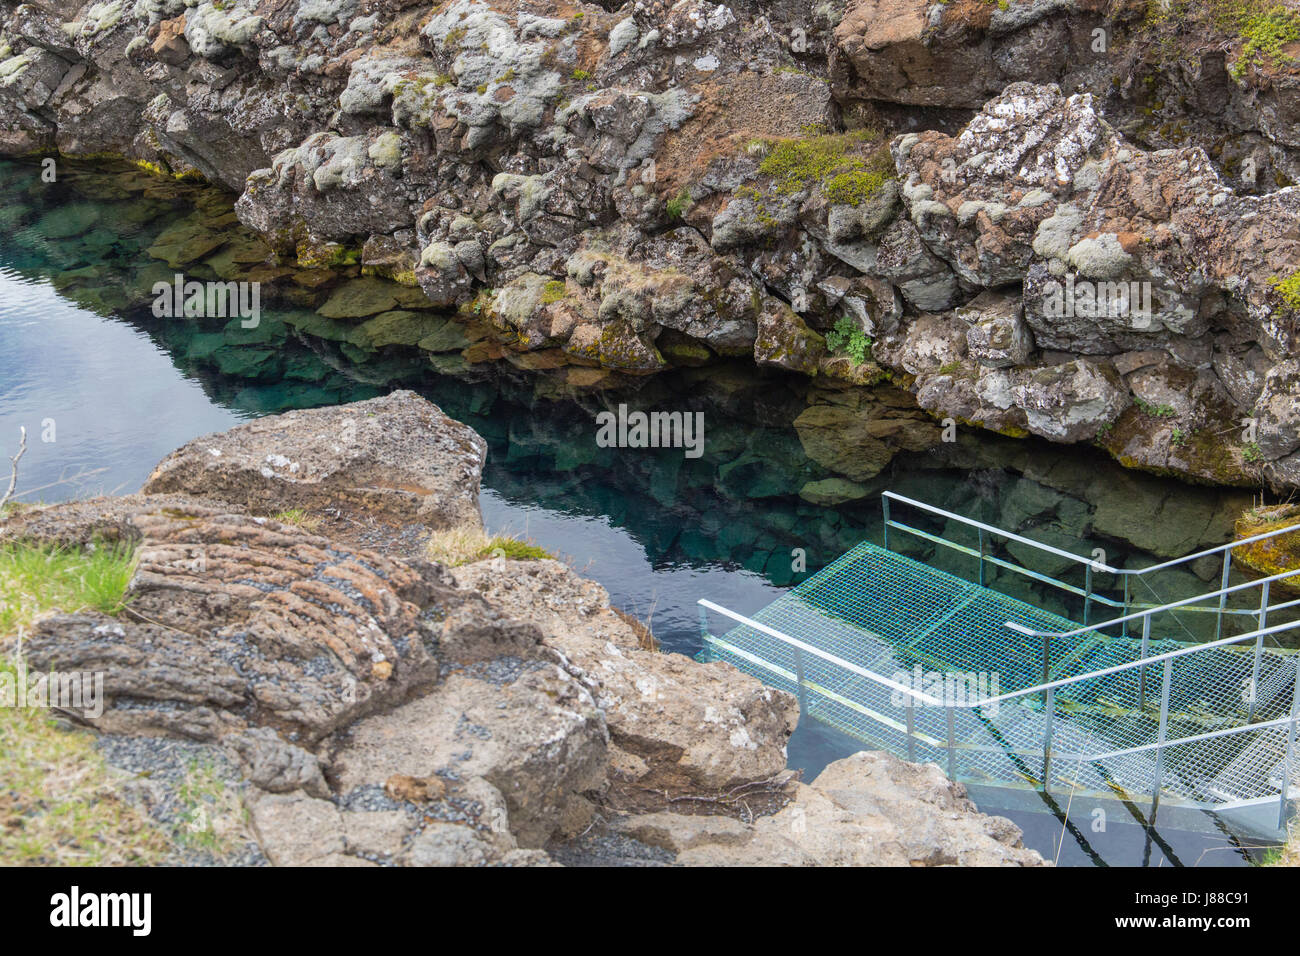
column 904, row 621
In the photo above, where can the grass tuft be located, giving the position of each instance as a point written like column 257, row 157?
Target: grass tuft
column 457, row 546
column 37, row 579
column 299, row 519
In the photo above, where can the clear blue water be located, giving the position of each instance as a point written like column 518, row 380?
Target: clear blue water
column 79, row 347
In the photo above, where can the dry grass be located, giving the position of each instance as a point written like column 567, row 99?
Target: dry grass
column 299, row 519
column 465, row 545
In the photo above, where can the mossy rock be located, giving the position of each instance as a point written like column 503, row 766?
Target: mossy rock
column 369, row 296
column 360, row 299
column 1274, row 555
column 833, row 491
column 448, row 363
column 449, row 337
column 186, row 242
column 398, row 327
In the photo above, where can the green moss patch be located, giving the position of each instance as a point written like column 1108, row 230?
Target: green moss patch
column 832, row 163
column 1288, row 290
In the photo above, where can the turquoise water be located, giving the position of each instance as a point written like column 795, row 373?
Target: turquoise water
column 83, row 361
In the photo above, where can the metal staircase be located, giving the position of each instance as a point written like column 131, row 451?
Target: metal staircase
column 919, row 661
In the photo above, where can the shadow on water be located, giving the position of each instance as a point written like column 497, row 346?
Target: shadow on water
column 85, row 362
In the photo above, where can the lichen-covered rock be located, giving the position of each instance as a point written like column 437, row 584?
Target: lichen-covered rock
column 397, row 458
column 997, row 336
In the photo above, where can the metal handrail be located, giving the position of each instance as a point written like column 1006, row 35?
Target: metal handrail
column 818, row 652
column 1020, row 628
column 1036, row 689
column 1094, row 564
column 1144, row 662
column 1097, row 565
column 1195, row 738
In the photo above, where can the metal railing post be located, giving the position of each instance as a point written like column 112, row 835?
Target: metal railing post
column 952, row 744
column 981, row 530
column 704, row 623
column 1049, row 708
column 1047, row 658
column 884, row 507
column 799, row 685
column 1087, row 591
column 1142, row 671
column 910, row 718
column 1124, row 626
column 1223, row 598
column 1259, row 653
column 1160, row 740
column 1289, row 757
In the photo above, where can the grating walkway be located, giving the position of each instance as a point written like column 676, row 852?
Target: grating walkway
column 899, row 619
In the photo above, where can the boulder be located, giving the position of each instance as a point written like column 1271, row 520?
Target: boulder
column 871, row 809
column 397, row 459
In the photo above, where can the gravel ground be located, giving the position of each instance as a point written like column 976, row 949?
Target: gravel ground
column 601, row 847
column 193, row 791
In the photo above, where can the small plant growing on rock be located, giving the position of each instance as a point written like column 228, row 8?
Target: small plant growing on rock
column 1179, row 437
column 678, row 205
column 1266, row 34
column 298, row 518
column 853, row 188
column 1251, row 452
column 581, row 75
column 847, row 338
column 37, row 578
column 457, row 546
column 1155, row 411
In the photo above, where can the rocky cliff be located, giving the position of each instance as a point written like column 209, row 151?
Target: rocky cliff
column 860, row 190
column 367, row 705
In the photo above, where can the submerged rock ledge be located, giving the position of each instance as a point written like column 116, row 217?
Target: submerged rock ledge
column 848, row 190
column 381, row 708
